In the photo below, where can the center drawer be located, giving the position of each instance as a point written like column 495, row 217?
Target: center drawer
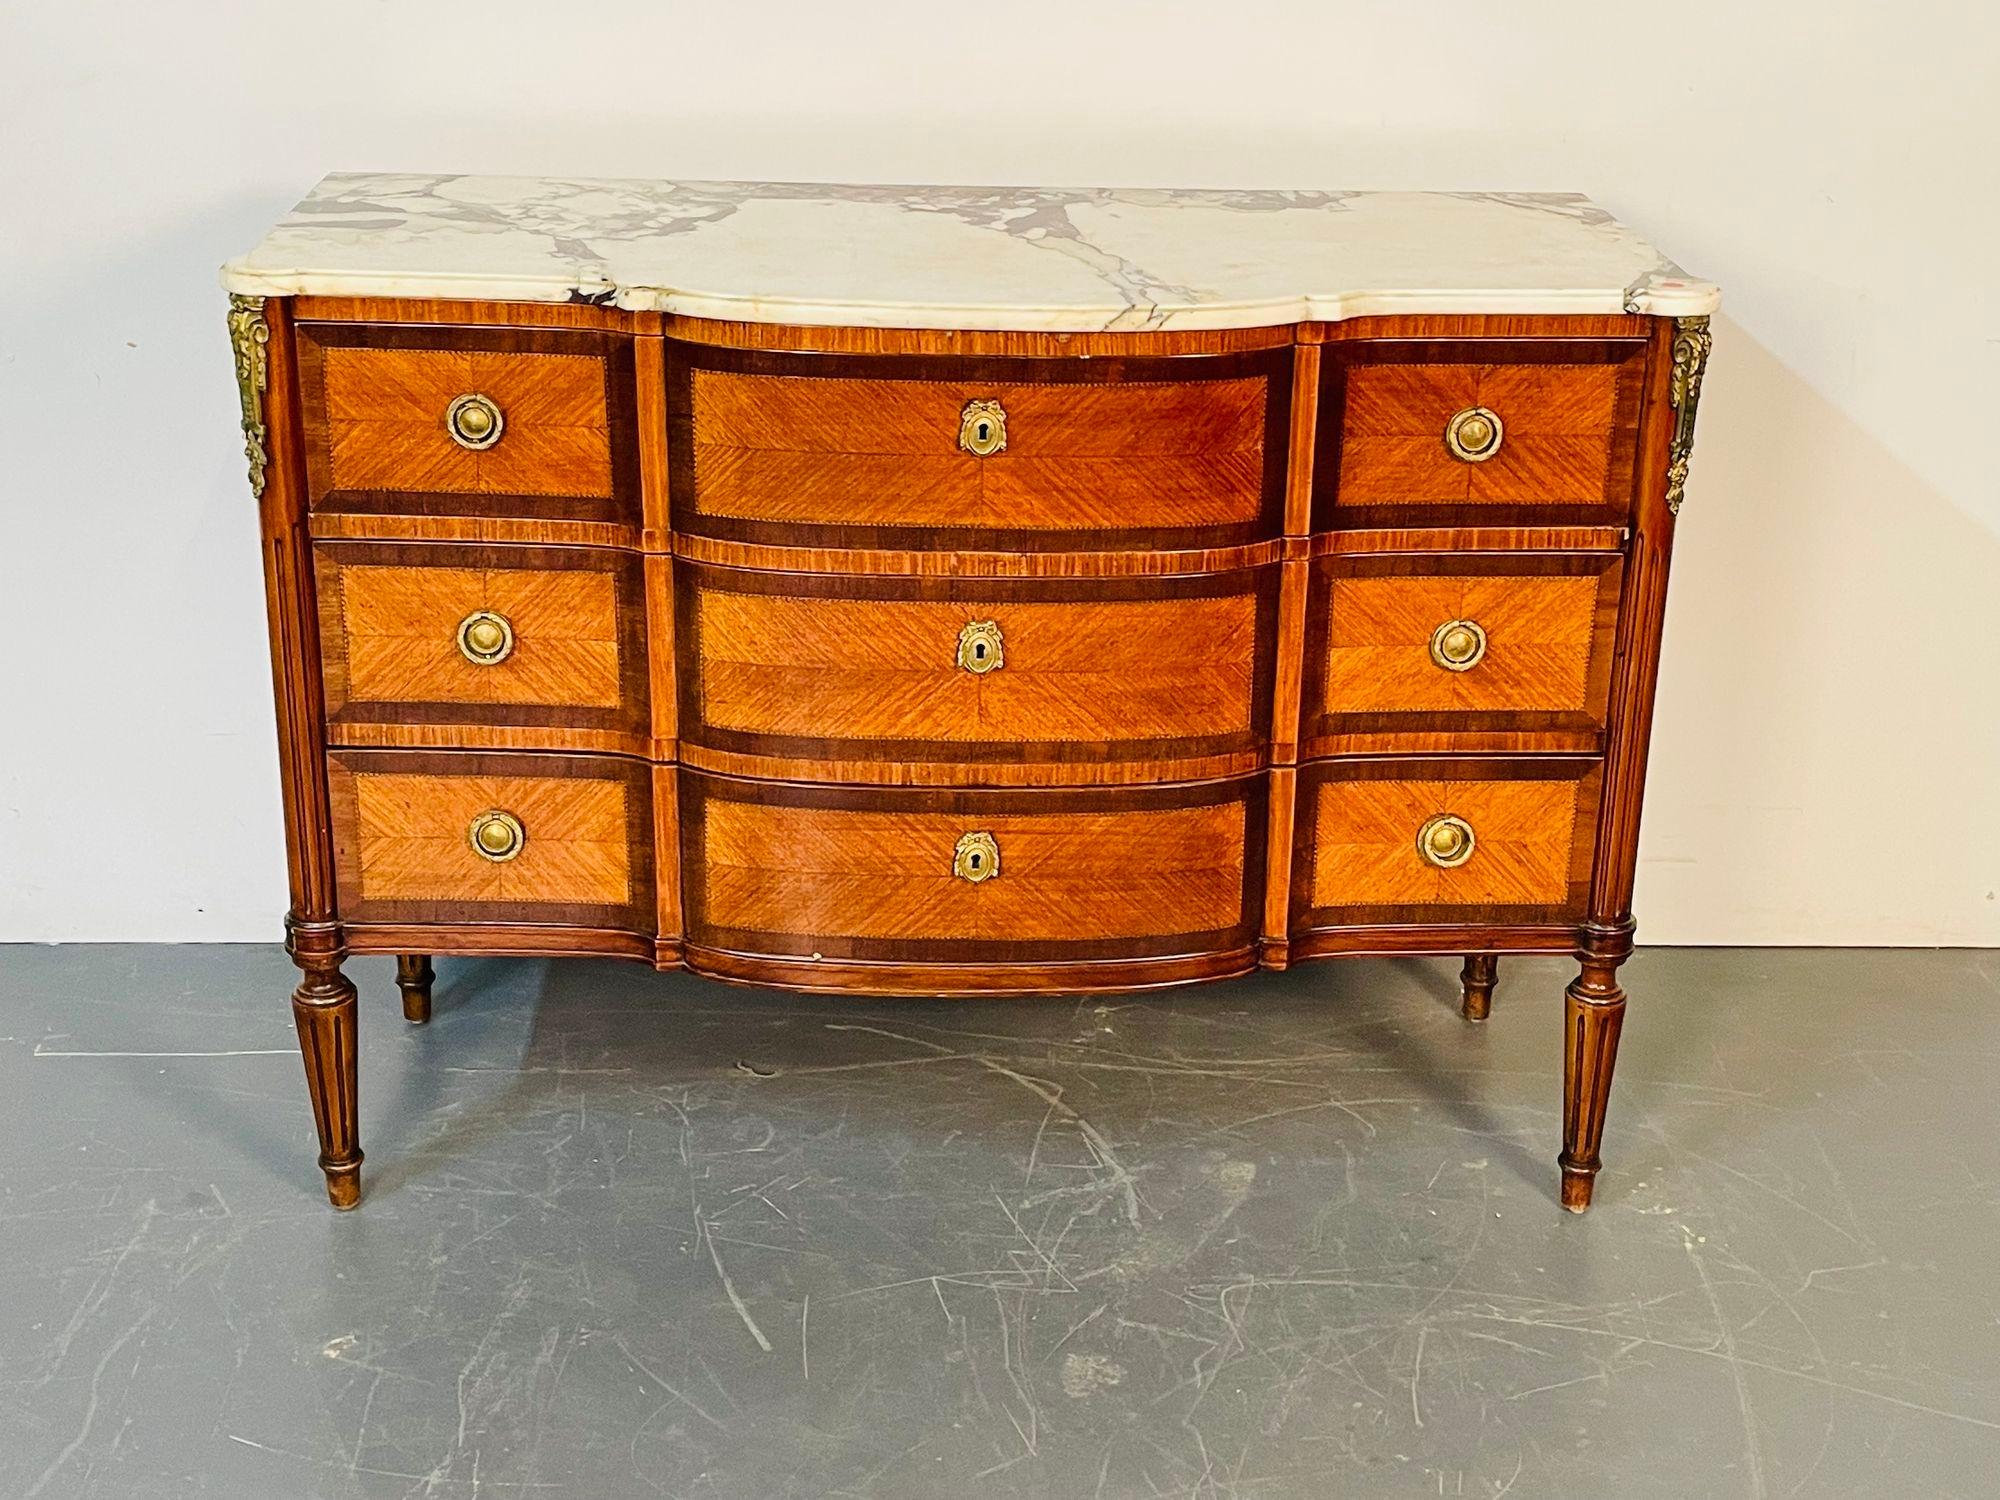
column 939, row 452
column 887, row 674
column 992, row 877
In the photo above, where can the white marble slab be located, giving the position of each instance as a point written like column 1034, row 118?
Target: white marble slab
column 1052, row 259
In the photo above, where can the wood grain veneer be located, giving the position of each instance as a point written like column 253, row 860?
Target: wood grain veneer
column 865, row 873
column 376, row 396
column 737, row 558
column 389, row 621
column 402, row 851
column 1545, row 673
column 804, row 667
column 1356, row 859
column 800, row 449
column 1569, row 410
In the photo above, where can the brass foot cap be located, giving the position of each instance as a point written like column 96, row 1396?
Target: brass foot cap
column 343, row 1186
column 1576, row 1188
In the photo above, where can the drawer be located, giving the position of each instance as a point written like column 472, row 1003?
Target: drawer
column 879, row 451
column 546, row 638
column 949, row 876
column 893, row 671
column 1417, row 840
column 452, row 836
column 1479, row 651
column 530, row 423
column 1482, row 431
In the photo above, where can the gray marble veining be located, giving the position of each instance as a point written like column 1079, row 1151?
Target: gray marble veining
column 1062, row 259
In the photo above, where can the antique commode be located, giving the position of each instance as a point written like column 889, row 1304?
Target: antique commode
column 952, row 591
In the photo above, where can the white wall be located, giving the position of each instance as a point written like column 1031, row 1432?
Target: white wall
column 1829, row 729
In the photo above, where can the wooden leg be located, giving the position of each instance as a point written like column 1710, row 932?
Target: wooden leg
column 413, row 977
column 1477, row 977
column 323, row 1006
column 1593, row 1013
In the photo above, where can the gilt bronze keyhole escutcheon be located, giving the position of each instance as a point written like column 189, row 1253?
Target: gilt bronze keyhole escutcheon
column 980, row 649
column 976, row 858
column 982, row 428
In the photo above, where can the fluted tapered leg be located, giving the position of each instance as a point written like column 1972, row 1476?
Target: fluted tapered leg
column 413, row 977
column 1593, row 1014
column 1477, row 978
column 323, row 1006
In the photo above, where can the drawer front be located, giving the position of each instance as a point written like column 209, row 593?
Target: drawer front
column 459, row 837
column 1437, row 431
column 845, row 451
column 1432, row 840
column 939, row 669
column 1431, row 648
column 970, row 876
column 547, row 637
column 394, row 421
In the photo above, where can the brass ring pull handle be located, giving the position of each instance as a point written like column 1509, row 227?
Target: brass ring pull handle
column 1474, row 434
column 496, row 835
column 976, row 858
column 982, row 428
column 980, row 649
column 1458, row 645
column 474, row 421
column 1445, row 841
column 485, row 638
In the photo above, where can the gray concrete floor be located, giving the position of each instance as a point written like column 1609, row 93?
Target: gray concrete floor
column 638, row 1234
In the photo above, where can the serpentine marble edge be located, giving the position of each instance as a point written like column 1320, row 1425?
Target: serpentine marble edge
column 1039, row 259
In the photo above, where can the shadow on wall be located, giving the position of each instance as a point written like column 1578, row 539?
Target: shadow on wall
column 1825, row 697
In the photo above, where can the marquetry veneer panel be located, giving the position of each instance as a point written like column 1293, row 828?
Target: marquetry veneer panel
column 403, row 852
column 790, row 665
column 1548, row 625
column 857, row 451
column 389, row 623
column 1569, row 410
column 1357, row 861
column 865, row 873
column 376, row 399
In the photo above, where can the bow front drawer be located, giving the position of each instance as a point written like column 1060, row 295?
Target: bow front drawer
column 1471, row 652
column 475, row 641
column 889, row 672
column 1416, row 431
column 945, row 876
column 454, row 837
column 946, row 452
column 530, row 423
column 1417, row 840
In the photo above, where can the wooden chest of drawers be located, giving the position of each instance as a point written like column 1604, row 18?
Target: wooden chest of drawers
column 939, row 644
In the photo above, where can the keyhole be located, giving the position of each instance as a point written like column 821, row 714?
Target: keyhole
column 979, row 651
column 972, row 860
column 983, row 430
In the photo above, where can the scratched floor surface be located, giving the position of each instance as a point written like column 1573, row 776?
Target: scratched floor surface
column 629, row 1234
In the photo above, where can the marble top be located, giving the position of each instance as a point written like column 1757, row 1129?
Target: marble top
column 1050, row 259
